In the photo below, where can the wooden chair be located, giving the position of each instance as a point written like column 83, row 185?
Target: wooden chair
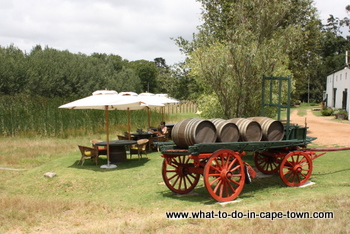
column 88, row 153
column 139, row 148
column 120, row 137
column 128, row 135
column 101, row 149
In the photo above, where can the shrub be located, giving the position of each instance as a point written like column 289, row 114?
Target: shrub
column 341, row 114
column 314, row 104
column 327, row 111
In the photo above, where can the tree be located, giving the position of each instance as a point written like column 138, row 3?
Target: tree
column 239, row 42
column 333, row 46
column 13, row 78
column 127, row 81
column 161, row 63
column 147, row 71
column 54, row 73
column 305, row 57
column 182, row 85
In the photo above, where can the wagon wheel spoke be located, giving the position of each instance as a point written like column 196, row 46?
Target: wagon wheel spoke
column 296, row 168
column 172, row 177
column 177, row 176
column 273, row 166
column 218, row 166
column 301, row 174
column 230, row 185
column 217, row 186
column 234, row 169
column 266, row 163
column 180, row 179
column 231, row 165
column 224, row 175
column 190, row 175
column 222, row 190
column 214, row 168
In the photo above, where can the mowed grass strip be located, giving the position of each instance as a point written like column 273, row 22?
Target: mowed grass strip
column 134, row 199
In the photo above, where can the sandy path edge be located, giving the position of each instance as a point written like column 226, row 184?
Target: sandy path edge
column 328, row 132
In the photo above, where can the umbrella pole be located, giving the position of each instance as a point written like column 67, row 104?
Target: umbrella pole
column 149, row 117
column 129, row 128
column 108, row 166
column 107, row 131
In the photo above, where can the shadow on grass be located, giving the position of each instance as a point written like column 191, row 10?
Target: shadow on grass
column 273, row 182
column 201, row 195
column 129, row 163
column 197, row 195
column 330, row 173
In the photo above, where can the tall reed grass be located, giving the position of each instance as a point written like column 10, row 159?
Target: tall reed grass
column 23, row 115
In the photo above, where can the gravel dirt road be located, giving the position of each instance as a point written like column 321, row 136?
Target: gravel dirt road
column 329, row 133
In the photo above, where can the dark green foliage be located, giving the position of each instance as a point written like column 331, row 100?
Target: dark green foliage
column 52, row 73
column 331, row 54
column 240, row 41
column 147, row 71
column 341, row 114
column 34, row 85
column 327, row 111
column 12, row 70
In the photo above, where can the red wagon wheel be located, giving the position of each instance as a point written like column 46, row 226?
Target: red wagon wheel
column 296, row 168
column 267, row 164
column 224, row 175
column 177, row 176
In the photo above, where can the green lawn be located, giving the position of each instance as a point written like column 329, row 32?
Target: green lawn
column 133, row 198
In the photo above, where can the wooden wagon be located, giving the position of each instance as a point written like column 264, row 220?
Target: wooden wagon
column 224, row 171
column 221, row 164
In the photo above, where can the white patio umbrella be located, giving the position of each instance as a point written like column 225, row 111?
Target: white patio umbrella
column 145, row 104
column 165, row 99
column 106, row 100
column 158, row 98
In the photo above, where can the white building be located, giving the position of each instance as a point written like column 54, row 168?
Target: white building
column 338, row 86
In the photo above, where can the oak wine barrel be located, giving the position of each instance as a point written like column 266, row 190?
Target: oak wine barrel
column 226, row 131
column 250, row 130
column 272, row 129
column 193, row 131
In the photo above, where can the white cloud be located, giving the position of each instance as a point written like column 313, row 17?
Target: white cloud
column 133, row 29
column 328, row 7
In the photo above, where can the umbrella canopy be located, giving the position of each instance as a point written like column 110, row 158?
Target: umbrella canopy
column 165, row 99
column 158, row 98
column 145, row 104
column 108, row 100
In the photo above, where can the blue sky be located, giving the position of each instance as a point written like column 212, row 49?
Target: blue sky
column 133, row 29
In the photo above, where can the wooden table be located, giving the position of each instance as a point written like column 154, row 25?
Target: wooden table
column 144, row 135
column 117, row 151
